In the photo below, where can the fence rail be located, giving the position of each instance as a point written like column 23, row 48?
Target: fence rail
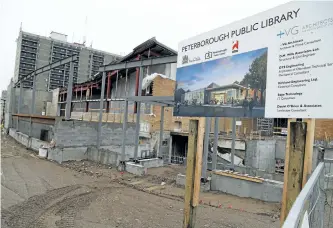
column 313, row 206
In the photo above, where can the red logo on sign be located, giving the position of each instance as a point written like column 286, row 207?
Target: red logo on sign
column 235, row 46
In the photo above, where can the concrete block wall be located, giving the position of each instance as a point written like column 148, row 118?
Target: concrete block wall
column 24, row 127
column 42, row 97
column 82, row 133
column 103, row 156
column 26, row 141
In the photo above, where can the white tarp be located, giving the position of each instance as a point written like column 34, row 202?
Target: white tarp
column 149, row 78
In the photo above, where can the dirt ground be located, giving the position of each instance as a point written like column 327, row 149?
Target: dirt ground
column 40, row 193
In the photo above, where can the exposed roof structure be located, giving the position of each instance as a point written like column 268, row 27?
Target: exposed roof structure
column 149, row 48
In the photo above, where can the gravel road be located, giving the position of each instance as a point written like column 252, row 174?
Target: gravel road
column 42, row 194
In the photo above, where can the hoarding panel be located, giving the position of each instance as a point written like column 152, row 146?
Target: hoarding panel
column 278, row 63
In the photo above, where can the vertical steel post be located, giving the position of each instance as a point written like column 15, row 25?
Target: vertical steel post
column 33, row 101
column 101, row 105
column 20, row 98
column 12, row 104
column 19, row 105
column 233, row 143
column 123, row 144
column 116, row 94
column 69, row 92
column 138, row 113
column 159, row 155
column 205, row 150
column 216, row 138
column 170, row 150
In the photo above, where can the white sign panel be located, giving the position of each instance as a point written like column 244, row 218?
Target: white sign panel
column 278, row 63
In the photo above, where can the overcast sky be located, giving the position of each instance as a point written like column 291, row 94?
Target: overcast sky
column 116, row 26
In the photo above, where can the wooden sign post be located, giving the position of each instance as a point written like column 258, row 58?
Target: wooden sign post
column 298, row 161
column 193, row 171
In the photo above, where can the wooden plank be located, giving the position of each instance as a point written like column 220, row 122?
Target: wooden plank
column 294, row 164
column 238, row 176
column 189, row 219
column 310, row 130
column 35, row 116
column 198, row 162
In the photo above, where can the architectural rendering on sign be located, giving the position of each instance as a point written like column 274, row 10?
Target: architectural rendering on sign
column 230, row 86
column 267, row 65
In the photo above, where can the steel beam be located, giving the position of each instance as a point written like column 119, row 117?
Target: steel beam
column 232, row 159
column 69, row 93
column 216, row 138
column 138, row 114
column 206, row 146
column 101, row 105
column 160, row 100
column 159, row 155
column 49, row 67
column 140, row 63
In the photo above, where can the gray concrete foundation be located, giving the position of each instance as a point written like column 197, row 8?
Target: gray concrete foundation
column 24, row 139
column 136, row 169
column 181, row 181
column 151, row 163
column 268, row 190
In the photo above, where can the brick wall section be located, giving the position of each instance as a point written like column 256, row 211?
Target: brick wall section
column 162, row 87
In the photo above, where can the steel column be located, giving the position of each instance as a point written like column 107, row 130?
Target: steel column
column 19, row 105
column 69, row 92
column 233, row 143
column 33, row 100
column 101, row 105
column 205, row 150
column 216, row 138
column 20, row 99
column 138, row 113
column 170, row 150
column 159, row 155
column 123, row 144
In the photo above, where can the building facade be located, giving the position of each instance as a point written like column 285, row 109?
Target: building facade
column 34, row 51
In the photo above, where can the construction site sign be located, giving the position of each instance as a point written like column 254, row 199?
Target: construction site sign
column 278, row 63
